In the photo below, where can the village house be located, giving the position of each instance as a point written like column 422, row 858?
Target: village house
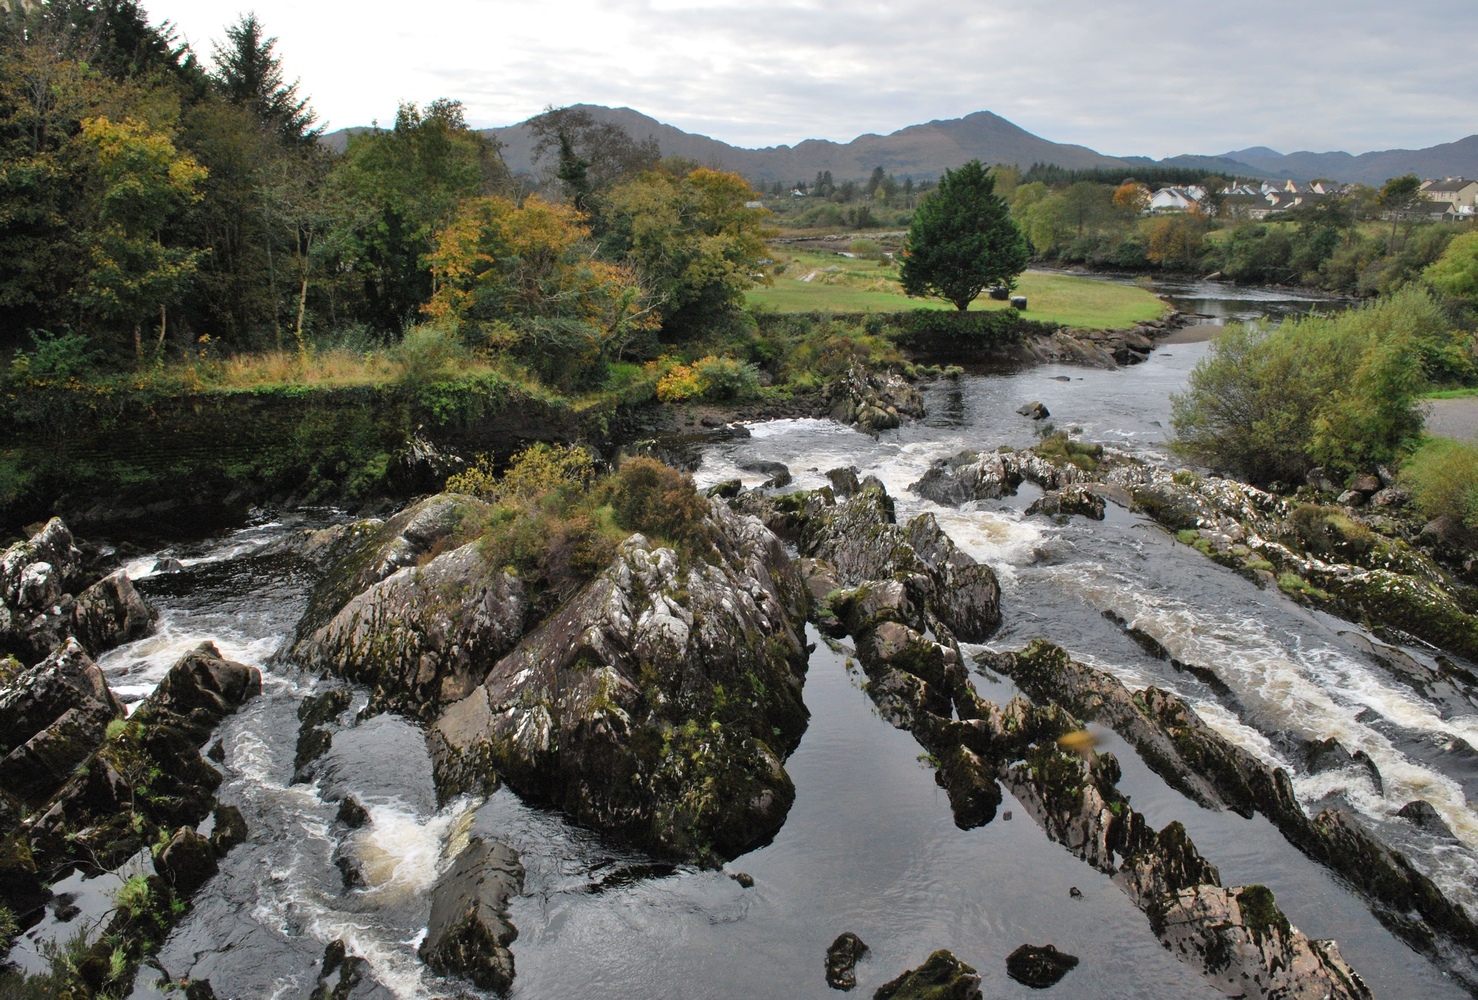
column 1459, row 192
column 1176, row 199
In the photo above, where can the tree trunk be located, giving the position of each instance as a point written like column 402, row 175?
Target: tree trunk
column 162, row 327
column 302, row 306
column 138, row 341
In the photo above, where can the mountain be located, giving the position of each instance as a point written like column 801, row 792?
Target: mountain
column 926, row 150
column 1446, row 160
column 918, row 151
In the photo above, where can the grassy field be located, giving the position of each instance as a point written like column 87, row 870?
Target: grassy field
column 851, row 284
column 1462, row 392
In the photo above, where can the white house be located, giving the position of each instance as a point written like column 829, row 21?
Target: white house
column 1176, row 199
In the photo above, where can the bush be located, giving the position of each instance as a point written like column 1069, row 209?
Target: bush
column 709, row 378
column 429, row 352
column 1443, row 480
column 656, row 499
column 1340, row 391
column 1328, row 532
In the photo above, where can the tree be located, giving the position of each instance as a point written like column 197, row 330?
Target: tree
column 1455, row 273
column 139, row 180
column 248, row 73
column 592, row 156
column 691, row 238
column 1397, row 196
column 962, row 240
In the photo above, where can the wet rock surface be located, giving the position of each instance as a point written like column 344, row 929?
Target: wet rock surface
column 468, row 933
column 841, row 961
column 1039, row 966
column 941, row 977
column 872, row 401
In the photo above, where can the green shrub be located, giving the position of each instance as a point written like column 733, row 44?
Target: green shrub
column 430, row 352
column 1443, row 480
column 656, row 499
column 1328, row 532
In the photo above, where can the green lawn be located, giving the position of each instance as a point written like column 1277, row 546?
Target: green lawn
column 862, row 286
column 1462, row 392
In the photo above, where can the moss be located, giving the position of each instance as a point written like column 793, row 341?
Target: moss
column 1260, row 913
column 1187, row 536
column 1294, row 585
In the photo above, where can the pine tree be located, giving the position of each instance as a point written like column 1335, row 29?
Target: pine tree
column 962, row 240
column 249, row 73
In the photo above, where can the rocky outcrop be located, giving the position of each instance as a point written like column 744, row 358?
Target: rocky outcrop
column 356, row 556
column 43, row 601
column 841, row 961
column 52, row 718
column 1191, row 756
column 423, row 636
column 1076, row 499
column 994, row 474
column 873, row 401
column 468, row 932
column 942, row 977
column 658, row 703
column 861, row 544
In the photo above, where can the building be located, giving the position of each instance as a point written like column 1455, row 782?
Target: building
column 1176, row 199
column 1459, row 192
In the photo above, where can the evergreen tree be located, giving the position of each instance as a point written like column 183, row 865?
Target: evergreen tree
column 249, row 73
column 962, row 240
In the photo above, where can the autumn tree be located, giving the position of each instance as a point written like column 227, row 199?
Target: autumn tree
column 525, row 281
column 1131, row 198
column 962, row 240
column 692, row 240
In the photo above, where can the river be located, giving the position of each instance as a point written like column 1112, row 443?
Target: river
column 870, row 845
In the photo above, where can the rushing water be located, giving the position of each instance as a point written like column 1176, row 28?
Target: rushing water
column 870, row 845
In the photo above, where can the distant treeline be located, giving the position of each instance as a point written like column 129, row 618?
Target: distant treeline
column 1052, row 175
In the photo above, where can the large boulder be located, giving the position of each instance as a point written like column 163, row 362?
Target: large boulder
column 469, row 932
column 1039, row 966
column 424, row 635
column 110, row 613
column 658, row 703
column 358, row 555
column 52, row 717
column 200, row 690
column 973, row 476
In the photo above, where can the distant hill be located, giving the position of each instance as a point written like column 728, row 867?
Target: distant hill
column 925, row 151
column 1447, row 160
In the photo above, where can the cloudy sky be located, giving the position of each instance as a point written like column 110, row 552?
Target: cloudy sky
column 1151, row 77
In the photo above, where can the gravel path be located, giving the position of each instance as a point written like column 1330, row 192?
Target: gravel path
column 1454, row 418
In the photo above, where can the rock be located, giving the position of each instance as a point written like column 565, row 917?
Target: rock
column 313, row 743
column 199, row 691
column 1074, row 892
column 187, row 862
column 230, row 829
column 52, row 547
column 423, row 636
column 971, row 784
column 357, row 556
column 340, row 974
column 774, row 470
column 168, row 566
column 942, row 977
column 351, row 813
column 468, row 933
column 1070, row 500
column 873, row 401
column 1035, row 410
column 726, row 490
column 745, row 880
column 1365, row 483
column 52, row 717
column 657, row 704
column 972, row 476
column 1423, row 816
column 841, row 961
column 200, row 989
column 1391, row 496
column 325, row 707
column 1329, row 755
column 844, row 481
column 1039, row 967
column 1351, row 498
column 110, row 613
column 1319, row 480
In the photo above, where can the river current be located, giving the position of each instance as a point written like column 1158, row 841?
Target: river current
column 870, row 845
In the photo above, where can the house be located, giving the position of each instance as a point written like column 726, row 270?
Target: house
column 1176, row 199
column 1459, row 192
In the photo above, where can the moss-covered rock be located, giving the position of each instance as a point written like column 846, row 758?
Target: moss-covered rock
column 941, row 977
column 658, row 704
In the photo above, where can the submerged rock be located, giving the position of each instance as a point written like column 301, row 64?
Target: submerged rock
column 841, row 961
column 1421, row 814
column 973, row 476
column 942, row 977
column 468, row 933
column 1039, row 967
column 658, row 704
column 1035, row 410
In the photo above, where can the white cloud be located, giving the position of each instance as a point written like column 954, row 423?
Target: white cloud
column 1154, row 77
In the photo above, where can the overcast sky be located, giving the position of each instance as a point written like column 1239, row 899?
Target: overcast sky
column 1151, row 77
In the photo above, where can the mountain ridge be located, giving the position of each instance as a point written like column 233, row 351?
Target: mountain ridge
column 927, row 149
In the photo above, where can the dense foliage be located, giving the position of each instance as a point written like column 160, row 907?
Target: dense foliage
column 1443, row 479
column 1338, row 392
column 162, row 210
column 962, row 240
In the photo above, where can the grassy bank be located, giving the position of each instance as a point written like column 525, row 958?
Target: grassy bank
column 824, row 282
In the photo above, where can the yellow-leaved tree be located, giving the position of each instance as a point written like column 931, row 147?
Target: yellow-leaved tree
column 524, row 280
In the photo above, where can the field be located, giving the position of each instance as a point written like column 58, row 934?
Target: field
column 855, row 284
